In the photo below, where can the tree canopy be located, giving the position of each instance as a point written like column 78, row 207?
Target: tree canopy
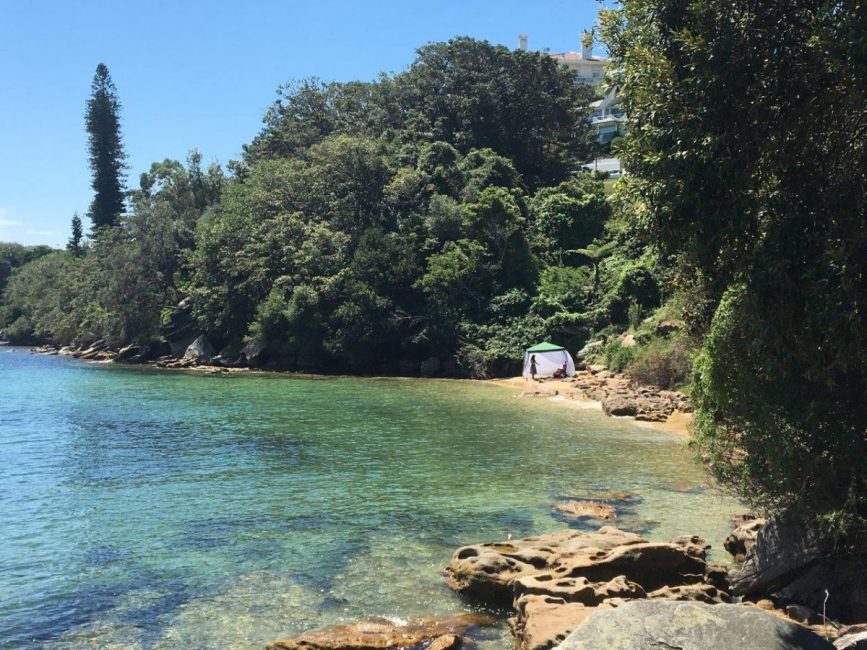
column 367, row 228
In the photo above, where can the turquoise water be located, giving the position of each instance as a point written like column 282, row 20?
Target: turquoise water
column 155, row 509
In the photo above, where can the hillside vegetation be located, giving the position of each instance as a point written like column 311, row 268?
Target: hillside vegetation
column 440, row 212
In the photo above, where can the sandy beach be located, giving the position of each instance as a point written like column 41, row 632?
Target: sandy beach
column 561, row 393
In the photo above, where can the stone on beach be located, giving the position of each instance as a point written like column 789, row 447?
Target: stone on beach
column 200, row 350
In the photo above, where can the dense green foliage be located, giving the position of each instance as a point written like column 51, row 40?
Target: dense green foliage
column 440, row 212
column 748, row 151
column 118, row 289
column 13, row 256
column 102, row 120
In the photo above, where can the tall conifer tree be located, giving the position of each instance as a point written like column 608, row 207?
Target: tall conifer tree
column 74, row 243
column 106, row 150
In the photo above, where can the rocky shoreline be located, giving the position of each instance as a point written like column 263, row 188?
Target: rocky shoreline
column 612, row 589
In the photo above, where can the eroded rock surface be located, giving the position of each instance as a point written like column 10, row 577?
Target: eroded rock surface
column 651, row 565
column 485, row 572
column 555, row 581
column 577, row 590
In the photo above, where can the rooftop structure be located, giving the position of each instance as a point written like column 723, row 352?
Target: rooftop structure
column 608, row 117
column 587, row 68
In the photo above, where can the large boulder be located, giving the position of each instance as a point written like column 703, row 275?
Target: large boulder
column 784, row 547
column 841, row 579
column 200, row 351
column 658, row 624
column 485, row 572
column 251, row 354
column 619, row 405
column 788, row 561
column 385, row 634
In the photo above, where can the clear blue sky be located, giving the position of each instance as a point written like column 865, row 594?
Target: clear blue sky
column 200, row 75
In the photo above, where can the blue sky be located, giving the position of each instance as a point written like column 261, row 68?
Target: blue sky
column 200, row 75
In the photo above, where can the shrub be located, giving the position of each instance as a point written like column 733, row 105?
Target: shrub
column 618, row 357
column 663, row 363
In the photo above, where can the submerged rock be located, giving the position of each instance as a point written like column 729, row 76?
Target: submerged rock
column 650, row 624
column 385, row 634
column 586, row 510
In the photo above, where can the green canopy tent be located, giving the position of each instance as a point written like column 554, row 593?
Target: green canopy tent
column 548, row 358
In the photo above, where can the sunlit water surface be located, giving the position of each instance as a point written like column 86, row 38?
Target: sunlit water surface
column 157, row 509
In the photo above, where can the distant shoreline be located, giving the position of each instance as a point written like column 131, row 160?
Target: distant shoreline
column 563, row 393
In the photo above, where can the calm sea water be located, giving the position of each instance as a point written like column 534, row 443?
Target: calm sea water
column 156, row 509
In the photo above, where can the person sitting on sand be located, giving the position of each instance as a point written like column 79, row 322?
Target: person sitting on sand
column 560, row 373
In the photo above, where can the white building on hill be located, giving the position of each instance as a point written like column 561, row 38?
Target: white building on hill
column 608, row 118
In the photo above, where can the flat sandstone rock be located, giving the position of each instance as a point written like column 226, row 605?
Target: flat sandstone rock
column 384, row 634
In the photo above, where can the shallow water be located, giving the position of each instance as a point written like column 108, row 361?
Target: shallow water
column 154, row 509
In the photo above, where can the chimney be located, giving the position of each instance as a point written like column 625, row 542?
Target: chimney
column 522, row 42
column 587, row 45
